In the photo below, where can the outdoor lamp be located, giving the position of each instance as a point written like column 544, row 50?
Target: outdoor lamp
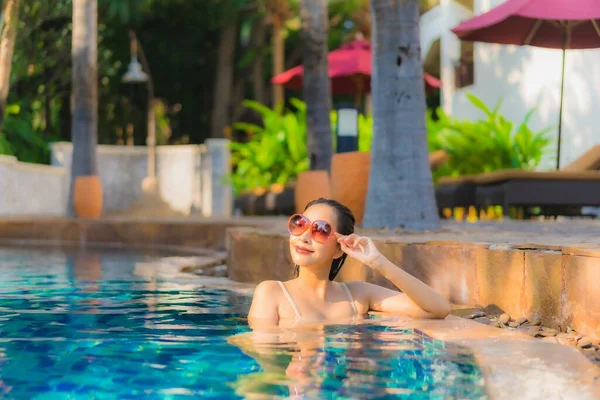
column 136, row 74
column 347, row 129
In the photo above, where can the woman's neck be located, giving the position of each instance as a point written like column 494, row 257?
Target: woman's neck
column 316, row 279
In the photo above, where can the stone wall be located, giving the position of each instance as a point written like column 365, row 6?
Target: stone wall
column 31, row 189
column 193, row 180
column 192, row 233
column 191, row 177
column 122, row 169
column 557, row 284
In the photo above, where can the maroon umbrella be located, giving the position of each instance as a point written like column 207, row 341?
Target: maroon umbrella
column 349, row 71
column 557, row 24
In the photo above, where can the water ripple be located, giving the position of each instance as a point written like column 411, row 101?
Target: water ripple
column 83, row 325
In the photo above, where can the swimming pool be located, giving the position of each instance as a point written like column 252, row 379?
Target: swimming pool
column 83, row 324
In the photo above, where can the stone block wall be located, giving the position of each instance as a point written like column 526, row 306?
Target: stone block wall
column 559, row 285
column 31, row 189
column 191, row 177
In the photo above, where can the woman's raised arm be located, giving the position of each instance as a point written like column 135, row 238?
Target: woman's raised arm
column 417, row 299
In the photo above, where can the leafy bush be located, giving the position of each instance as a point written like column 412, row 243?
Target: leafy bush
column 485, row 145
column 20, row 137
column 276, row 153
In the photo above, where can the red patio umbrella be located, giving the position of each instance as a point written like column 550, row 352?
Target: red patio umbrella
column 349, row 71
column 556, row 24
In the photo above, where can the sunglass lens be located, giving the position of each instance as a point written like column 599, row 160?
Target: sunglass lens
column 321, row 231
column 297, row 224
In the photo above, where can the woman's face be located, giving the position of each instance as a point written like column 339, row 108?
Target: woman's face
column 306, row 251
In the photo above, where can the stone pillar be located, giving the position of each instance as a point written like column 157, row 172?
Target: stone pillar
column 199, row 157
column 8, row 186
column 60, row 156
column 217, row 194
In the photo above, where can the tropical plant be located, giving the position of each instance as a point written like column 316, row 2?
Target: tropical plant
column 478, row 146
column 5, row 147
column 275, row 152
column 283, row 136
column 487, row 144
column 23, row 137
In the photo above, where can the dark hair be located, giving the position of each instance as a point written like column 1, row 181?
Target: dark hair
column 345, row 226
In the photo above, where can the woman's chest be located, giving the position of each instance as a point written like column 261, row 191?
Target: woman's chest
column 317, row 310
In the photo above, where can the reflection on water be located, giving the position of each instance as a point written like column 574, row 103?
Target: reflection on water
column 84, row 324
column 371, row 360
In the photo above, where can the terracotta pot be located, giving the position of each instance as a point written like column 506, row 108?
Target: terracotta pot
column 438, row 158
column 350, row 180
column 87, row 196
column 310, row 185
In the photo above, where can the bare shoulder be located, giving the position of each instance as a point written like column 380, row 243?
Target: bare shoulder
column 267, row 288
column 265, row 302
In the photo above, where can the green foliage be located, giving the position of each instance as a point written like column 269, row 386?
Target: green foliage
column 485, row 145
column 276, row 152
column 5, row 147
column 182, row 59
column 163, row 124
column 23, row 138
column 477, row 146
column 365, row 132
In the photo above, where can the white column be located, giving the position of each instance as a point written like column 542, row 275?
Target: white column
column 217, row 194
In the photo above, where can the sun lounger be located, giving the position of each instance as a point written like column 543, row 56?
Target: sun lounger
column 555, row 189
column 526, row 188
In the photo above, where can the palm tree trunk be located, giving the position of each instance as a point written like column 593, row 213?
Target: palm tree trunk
column 317, row 89
column 400, row 193
column 225, row 74
column 10, row 16
column 258, row 43
column 278, row 49
column 84, row 92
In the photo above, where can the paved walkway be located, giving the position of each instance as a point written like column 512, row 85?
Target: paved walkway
column 585, row 233
column 580, row 233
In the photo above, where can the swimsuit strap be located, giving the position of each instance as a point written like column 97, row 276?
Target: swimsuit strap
column 290, row 299
column 349, row 297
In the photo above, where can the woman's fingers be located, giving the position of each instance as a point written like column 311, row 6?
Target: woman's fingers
column 353, row 241
column 345, row 248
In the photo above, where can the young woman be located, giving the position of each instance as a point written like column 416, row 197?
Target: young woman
column 320, row 240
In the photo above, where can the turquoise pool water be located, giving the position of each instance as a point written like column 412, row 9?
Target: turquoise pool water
column 83, row 325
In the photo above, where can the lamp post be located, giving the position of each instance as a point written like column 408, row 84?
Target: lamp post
column 136, row 74
column 347, row 129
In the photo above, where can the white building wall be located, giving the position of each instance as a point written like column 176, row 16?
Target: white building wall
column 524, row 77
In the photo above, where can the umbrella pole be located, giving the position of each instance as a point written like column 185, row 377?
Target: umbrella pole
column 358, row 93
column 358, row 100
column 562, row 89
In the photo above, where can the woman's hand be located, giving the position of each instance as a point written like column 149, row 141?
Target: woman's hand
column 360, row 248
